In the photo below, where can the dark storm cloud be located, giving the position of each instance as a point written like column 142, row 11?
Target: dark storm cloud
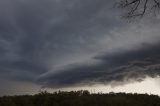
column 48, row 42
column 120, row 67
column 34, row 35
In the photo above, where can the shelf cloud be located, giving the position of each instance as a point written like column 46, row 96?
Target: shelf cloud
column 59, row 43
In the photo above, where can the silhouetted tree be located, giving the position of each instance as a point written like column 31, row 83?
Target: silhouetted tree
column 81, row 98
column 138, row 8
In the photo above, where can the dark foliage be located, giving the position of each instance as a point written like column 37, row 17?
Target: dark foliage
column 81, row 98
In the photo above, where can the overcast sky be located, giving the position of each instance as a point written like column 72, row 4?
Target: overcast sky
column 61, row 44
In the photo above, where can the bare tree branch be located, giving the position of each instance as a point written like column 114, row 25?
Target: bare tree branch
column 136, row 8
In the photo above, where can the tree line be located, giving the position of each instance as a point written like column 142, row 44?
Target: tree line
column 80, row 98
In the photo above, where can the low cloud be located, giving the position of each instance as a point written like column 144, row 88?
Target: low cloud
column 59, row 43
column 122, row 67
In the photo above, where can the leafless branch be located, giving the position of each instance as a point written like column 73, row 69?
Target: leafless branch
column 136, row 8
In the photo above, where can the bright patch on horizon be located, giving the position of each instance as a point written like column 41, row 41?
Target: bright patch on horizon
column 149, row 86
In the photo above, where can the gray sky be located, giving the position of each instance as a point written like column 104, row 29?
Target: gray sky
column 58, row 44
